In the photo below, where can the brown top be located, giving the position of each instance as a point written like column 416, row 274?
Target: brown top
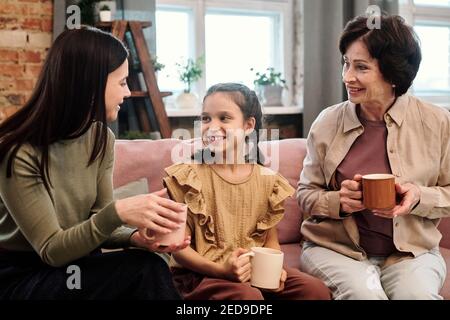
column 368, row 155
column 418, row 151
column 223, row 215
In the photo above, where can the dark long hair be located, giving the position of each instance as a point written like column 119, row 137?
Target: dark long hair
column 248, row 102
column 68, row 98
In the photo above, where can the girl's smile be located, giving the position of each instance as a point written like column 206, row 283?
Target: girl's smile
column 223, row 124
column 214, row 140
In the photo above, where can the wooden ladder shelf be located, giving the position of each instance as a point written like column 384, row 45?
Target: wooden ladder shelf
column 151, row 91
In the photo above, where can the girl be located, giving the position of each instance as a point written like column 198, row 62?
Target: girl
column 56, row 206
column 233, row 206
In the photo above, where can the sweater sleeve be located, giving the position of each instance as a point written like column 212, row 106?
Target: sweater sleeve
column 32, row 209
column 120, row 237
column 435, row 199
column 313, row 195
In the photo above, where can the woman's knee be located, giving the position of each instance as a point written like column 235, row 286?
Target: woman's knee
column 413, row 291
column 141, row 258
column 354, row 290
column 415, row 295
column 317, row 290
column 149, row 275
column 243, row 291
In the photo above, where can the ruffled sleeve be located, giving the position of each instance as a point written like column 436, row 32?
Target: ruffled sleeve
column 184, row 185
column 280, row 192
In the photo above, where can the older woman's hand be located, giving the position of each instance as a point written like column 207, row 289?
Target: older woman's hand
column 410, row 197
column 351, row 195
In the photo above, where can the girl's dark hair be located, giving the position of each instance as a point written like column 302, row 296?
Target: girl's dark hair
column 68, row 98
column 248, row 102
column 395, row 45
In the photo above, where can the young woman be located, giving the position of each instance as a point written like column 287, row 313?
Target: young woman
column 234, row 204
column 56, row 206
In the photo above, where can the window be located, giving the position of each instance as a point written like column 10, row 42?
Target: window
column 433, row 76
column 173, row 43
column 431, row 21
column 232, row 36
column 432, row 2
column 236, row 42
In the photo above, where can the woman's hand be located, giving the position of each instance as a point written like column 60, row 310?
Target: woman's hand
column 151, row 211
column 410, row 197
column 236, row 268
column 351, row 195
column 139, row 240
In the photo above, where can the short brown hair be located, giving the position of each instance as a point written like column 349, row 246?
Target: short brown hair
column 395, row 45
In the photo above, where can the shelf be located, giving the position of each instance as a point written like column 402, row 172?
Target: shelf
column 282, row 110
column 144, row 94
column 108, row 24
column 166, row 94
column 139, row 94
column 172, row 113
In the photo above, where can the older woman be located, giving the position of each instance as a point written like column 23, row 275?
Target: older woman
column 363, row 254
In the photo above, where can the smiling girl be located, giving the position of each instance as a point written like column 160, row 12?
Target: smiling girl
column 233, row 205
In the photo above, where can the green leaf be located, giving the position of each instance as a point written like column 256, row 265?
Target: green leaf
column 190, row 72
column 270, row 77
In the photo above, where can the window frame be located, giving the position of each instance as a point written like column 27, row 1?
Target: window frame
column 285, row 37
column 427, row 15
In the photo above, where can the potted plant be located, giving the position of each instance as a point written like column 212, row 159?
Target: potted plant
column 105, row 13
column 133, row 135
column 269, row 86
column 157, row 66
column 189, row 73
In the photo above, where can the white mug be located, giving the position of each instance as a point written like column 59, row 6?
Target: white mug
column 267, row 265
column 176, row 236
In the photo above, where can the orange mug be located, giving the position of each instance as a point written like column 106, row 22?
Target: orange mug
column 378, row 191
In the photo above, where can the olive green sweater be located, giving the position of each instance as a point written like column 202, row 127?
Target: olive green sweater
column 76, row 217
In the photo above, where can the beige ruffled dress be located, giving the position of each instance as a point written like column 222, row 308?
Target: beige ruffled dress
column 224, row 215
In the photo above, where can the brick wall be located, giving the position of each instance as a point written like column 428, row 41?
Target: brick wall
column 25, row 36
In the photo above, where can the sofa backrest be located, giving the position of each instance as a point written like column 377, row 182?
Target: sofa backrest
column 135, row 159
column 286, row 156
column 444, row 227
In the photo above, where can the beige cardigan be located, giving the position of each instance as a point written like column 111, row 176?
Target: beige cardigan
column 418, row 151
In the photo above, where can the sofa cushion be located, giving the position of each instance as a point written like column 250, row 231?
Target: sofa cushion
column 286, row 157
column 131, row 189
column 444, row 228
column 445, row 291
column 135, row 159
column 292, row 252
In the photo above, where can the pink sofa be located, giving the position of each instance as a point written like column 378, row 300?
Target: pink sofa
column 148, row 158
